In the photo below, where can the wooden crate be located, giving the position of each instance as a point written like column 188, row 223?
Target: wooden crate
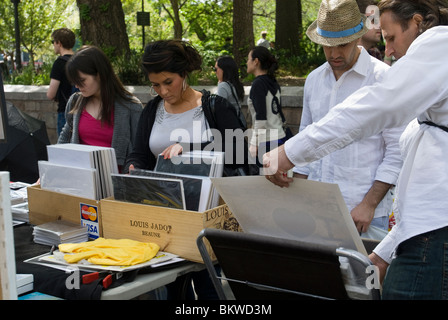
column 174, row 230
column 45, row 206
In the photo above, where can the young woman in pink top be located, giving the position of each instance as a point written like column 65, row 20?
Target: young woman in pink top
column 103, row 112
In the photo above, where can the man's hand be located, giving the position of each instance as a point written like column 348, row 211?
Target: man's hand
column 276, row 165
column 363, row 213
column 362, row 216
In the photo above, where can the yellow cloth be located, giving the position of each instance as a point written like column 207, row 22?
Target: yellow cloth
column 111, row 252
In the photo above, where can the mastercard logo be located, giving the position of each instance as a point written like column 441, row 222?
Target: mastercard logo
column 88, row 213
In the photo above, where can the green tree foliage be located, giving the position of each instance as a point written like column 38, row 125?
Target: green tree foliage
column 6, row 26
column 207, row 24
column 37, row 18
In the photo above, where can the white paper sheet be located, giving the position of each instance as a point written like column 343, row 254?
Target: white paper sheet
column 69, row 180
column 308, row 211
column 87, row 157
column 73, row 155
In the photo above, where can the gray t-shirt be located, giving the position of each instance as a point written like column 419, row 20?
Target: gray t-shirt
column 225, row 90
column 169, row 128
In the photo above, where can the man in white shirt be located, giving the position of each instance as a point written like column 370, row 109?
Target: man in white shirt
column 366, row 170
column 414, row 251
column 263, row 41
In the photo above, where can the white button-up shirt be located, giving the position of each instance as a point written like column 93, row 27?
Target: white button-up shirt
column 355, row 167
column 415, row 86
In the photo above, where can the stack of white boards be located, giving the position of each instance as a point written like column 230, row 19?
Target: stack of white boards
column 19, row 201
column 80, row 170
column 59, row 231
column 182, row 182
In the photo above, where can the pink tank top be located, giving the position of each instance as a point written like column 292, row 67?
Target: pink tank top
column 93, row 132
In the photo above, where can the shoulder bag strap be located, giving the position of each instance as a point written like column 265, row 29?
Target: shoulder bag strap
column 430, row 123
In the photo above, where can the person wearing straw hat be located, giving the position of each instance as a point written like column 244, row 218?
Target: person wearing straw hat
column 414, row 252
column 366, row 170
column 263, row 41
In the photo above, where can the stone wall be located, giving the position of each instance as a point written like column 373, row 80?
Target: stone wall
column 33, row 101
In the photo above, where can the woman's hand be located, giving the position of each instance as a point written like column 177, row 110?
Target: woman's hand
column 172, row 151
column 253, row 150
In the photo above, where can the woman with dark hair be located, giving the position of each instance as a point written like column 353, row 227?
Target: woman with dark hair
column 412, row 256
column 264, row 103
column 103, row 113
column 229, row 84
column 168, row 63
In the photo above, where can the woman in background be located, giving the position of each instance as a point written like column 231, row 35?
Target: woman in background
column 264, row 103
column 103, row 113
column 229, row 84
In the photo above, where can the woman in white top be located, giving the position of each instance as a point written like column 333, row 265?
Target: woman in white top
column 264, row 103
column 414, row 251
column 180, row 117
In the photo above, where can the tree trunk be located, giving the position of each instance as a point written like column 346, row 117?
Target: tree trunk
column 288, row 26
column 102, row 24
column 243, row 32
column 178, row 29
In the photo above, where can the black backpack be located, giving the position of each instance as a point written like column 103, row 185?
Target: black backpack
column 73, row 88
column 248, row 169
column 241, row 119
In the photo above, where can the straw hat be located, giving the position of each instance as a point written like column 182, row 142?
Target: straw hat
column 338, row 22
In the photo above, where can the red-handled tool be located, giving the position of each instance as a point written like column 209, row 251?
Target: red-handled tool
column 90, row 277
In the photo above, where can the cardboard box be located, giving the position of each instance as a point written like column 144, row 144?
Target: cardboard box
column 174, row 230
column 45, row 206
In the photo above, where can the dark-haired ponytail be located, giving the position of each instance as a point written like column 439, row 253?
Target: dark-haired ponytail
column 193, row 57
column 174, row 56
column 267, row 61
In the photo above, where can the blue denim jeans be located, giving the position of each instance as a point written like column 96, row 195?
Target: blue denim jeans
column 420, row 269
column 381, row 222
column 61, row 122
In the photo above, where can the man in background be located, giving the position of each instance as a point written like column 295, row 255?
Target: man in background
column 60, row 88
column 371, row 39
column 263, row 41
column 368, row 168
